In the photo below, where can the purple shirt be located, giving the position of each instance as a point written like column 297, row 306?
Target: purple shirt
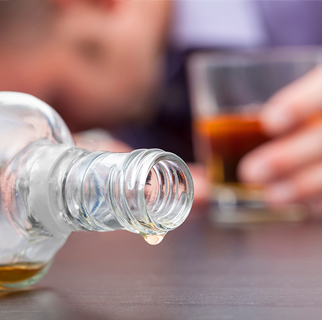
column 243, row 23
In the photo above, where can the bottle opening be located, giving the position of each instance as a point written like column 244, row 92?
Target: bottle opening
column 168, row 193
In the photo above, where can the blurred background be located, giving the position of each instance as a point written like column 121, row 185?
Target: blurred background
column 123, row 67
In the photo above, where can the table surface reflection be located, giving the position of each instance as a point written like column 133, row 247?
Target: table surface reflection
column 271, row 271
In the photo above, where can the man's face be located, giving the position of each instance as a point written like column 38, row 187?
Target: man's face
column 110, row 67
column 97, row 66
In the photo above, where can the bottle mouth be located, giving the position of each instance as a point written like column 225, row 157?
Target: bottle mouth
column 168, row 192
column 164, row 192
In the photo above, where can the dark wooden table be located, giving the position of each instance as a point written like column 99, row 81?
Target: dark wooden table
column 199, row 272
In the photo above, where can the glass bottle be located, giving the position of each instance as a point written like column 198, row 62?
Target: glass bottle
column 50, row 188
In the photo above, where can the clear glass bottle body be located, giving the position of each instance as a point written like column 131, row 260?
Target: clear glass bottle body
column 50, row 188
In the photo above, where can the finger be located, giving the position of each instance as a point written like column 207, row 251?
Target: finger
column 315, row 208
column 284, row 155
column 293, row 104
column 300, row 187
column 201, row 183
column 98, row 139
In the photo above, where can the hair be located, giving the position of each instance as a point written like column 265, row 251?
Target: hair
column 24, row 20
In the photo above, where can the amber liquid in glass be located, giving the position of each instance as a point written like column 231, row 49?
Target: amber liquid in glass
column 224, row 140
column 14, row 273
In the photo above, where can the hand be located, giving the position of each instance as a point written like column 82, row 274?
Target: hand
column 99, row 140
column 290, row 166
column 201, row 184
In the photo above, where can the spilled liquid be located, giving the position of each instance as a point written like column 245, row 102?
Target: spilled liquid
column 154, row 239
column 18, row 272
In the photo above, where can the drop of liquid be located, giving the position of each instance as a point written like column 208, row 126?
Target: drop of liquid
column 154, row 239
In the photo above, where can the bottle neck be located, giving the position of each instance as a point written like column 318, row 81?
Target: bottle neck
column 145, row 191
column 59, row 189
column 33, row 182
